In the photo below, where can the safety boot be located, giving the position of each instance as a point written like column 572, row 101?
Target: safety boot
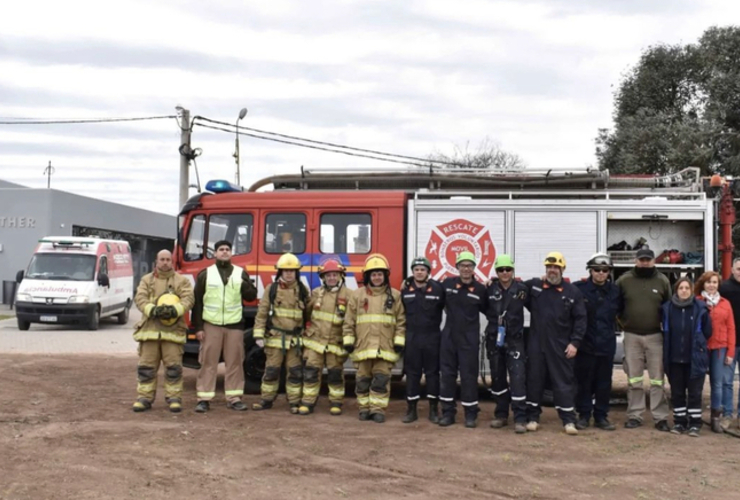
column 434, row 411
column 336, row 409
column 378, row 418
column 716, row 422
column 498, row 423
column 446, row 420
column 364, row 415
column 294, row 408
column 305, row 409
column 411, row 414
column 520, row 428
column 471, row 419
column 236, row 406
column 202, row 407
column 262, row 405
column 175, row 405
column 583, row 423
column 141, row 405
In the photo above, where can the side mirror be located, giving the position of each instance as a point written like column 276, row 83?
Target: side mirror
column 103, row 280
column 19, row 276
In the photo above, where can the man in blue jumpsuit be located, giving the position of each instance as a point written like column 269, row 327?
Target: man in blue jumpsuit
column 423, row 299
column 465, row 301
column 505, row 345
column 595, row 358
column 557, row 327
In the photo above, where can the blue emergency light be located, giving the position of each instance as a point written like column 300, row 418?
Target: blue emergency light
column 222, row 186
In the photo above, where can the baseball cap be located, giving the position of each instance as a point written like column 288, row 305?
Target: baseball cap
column 645, row 253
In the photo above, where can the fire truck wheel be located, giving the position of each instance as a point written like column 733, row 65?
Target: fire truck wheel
column 254, row 368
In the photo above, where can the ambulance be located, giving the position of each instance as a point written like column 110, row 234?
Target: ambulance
column 76, row 280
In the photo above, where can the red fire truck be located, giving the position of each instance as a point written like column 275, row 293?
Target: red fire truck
column 348, row 214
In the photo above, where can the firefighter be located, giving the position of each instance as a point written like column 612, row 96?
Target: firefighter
column 218, row 320
column 423, row 299
column 558, row 324
column 281, row 318
column 465, row 301
column 595, row 359
column 322, row 343
column 505, row 345
column 163, row 297
column 374, row 335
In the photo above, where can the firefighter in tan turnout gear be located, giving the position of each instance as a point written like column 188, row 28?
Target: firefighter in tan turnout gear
column 163, row 297
column 374, row 335
column 278, row 327
column 322, row 342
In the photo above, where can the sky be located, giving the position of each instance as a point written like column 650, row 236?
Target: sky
column 412, row 78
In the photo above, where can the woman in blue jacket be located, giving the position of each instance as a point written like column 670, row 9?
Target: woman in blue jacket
column 686, row 328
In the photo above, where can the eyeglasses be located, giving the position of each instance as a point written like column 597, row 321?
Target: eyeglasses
column 504, row 269
column 466, row 266
column 600, row 269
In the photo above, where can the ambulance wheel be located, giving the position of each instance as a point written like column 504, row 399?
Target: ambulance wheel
column 94, row 322
column 23, row 325
column 123, row 316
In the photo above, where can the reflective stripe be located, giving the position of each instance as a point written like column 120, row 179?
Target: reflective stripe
column 656, row 382
column 675, row 410
column 412, row 398
column 522, row 398
column 148, row 387
column 391, row 357
column 446, row 399
column 636, row 380
column 323, row 348
column 310, row 392
column 258, row 333
column 203, row 395
column 500, row 392
column 277, row 342
column 148, row 309
column 222, row 304
column 269, row 387
column 284, row 312
column 564, row 409
column 175, row 338
column 398, row 340
column 235, row 392
column 474, row 403
column 363, row 400
column 532, row 404
column 430, row 396
column 348, row 340
column 691, row 410
column 385, row 319
column 381, row 401
column 335, row 392
column 180, row 310
column 292, row 390
column 334, row 319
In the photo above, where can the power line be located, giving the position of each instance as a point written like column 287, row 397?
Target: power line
column 426, row 161
column 348, row 153
column 88, row 120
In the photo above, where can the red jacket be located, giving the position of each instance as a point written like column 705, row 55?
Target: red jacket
column 723, row 326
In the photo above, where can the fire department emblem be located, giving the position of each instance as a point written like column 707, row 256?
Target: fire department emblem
column 449, row 239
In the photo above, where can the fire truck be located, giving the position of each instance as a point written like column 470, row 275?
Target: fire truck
column 348, row 214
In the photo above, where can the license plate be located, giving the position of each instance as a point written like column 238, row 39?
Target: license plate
column 48, row 319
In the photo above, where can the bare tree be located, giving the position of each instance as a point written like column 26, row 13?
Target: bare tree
column 488, row 155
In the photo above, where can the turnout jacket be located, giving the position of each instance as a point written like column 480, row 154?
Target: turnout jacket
column 151, row 287
column 327, row 307
column 424, row 307
column 374, row 324
column 281, row 323
column 603, row 303
column 464, row 303
column 558, row 316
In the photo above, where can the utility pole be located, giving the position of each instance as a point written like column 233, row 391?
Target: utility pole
column 184, row 154
column 47, row 172
column 238, row 176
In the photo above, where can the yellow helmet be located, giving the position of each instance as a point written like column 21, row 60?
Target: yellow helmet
column 555, row 259
column 168, row 299
column 288, row 261
column 376, row 262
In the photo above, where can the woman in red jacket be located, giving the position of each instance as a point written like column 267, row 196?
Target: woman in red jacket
column 722, row 342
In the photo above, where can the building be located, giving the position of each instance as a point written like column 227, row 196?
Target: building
column 28, row 214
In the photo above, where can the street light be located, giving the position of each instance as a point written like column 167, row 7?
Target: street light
column 242, row 114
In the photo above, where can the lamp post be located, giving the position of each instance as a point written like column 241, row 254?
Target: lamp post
column 242, row 114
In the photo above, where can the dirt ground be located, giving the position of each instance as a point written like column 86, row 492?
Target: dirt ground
column 67, row 431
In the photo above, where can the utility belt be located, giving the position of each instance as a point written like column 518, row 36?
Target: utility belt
column 296, row 332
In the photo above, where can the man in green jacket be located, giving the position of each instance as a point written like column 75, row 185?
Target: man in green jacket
column 217, row 319
column 644, row 290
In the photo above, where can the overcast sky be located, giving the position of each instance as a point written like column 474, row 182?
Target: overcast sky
column 408, row 77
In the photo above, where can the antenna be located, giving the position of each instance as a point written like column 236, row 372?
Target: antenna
column 48, row 171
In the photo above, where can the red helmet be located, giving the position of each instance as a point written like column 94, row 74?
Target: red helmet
column 331, row 265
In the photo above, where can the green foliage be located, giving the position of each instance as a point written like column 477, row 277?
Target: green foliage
column 678, row 107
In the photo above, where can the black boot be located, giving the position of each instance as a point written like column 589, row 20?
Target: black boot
column 411, row 415
column 447, row 419
column 471, row 418
column 433, row 411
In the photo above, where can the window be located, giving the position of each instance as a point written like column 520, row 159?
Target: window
column 285, row 233
column 234, row 228
column 194, row 245
column 103, row 266
column 345, row 233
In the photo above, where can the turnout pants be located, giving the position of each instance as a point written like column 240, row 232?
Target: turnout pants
column 454, row 358
column 511, row 360
column 293, row 368
column 151, row 354
column 373, row 385
column 312, row 371
column 220, row 340
column 560, row 369
column 640, row 352
column 594, row 376
column 422, row 356
column 685, row 395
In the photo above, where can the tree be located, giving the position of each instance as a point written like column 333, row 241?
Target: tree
column 678, row 107
column 489, row 155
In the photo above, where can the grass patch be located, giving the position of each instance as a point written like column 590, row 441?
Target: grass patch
column 6, row 316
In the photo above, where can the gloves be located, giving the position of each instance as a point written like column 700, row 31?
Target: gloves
column 259, row 343
column 349, row 348
column 398, row 349
column 156, row 312
column 167, row 312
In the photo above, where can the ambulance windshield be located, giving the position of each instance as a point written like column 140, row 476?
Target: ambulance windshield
column 58, row 266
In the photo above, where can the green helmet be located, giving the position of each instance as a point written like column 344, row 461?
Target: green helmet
column 465, row 256
column 503, row 260
column 421, row 261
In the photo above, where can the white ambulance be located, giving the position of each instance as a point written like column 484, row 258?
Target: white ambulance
column 76, row 280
